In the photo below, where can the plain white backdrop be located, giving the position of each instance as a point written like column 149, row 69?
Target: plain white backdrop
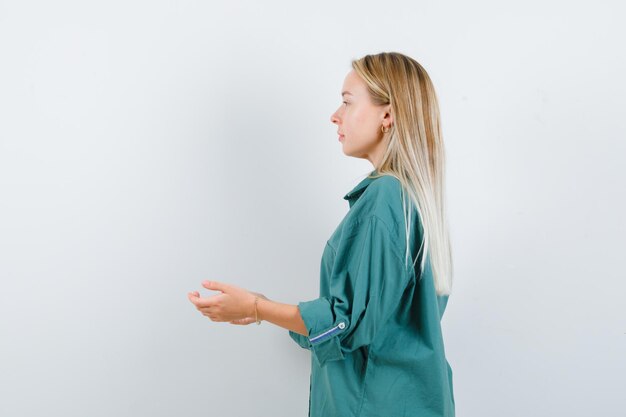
column 146, row 146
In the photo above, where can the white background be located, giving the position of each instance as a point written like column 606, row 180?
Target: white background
column 147, row 146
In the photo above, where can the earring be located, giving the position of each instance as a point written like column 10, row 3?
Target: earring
column 382, row 128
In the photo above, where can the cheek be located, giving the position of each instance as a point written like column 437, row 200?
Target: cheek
column 362, row 126
column 356, row 120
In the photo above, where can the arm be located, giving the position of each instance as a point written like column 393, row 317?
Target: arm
column 236, row 305
column 368, row 278
column 283, row 315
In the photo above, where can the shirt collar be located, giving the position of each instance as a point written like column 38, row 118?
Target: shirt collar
column 360, row 187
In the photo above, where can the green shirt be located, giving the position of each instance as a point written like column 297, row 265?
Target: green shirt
column 375, row 331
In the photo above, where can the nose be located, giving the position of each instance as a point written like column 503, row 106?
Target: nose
column 334, row 118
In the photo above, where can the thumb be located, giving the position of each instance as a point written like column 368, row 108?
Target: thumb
column 214, row 285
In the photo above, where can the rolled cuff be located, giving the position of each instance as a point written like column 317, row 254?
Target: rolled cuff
column 301, row 340
column 324, row 330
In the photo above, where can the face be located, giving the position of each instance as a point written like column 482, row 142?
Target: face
column 359, row 121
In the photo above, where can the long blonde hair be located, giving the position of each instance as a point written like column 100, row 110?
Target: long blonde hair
column 415, row 154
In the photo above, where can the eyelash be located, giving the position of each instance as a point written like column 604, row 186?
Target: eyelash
column 345, row 102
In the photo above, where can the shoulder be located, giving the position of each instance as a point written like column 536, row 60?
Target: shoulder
column 382, row 199
column 385, row 188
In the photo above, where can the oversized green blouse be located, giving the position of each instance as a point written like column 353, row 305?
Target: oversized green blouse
column 375, row 331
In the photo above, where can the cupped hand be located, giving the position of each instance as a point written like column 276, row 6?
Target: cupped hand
column 234, row 304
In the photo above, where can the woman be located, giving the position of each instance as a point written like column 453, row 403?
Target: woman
column 386, row 272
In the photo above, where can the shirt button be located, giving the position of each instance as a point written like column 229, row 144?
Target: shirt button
column 342, row 325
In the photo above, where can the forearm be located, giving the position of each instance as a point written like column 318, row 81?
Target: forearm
column 283, row 315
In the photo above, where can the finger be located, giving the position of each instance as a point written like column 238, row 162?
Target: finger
column 192, row 297
column 206, row 310
column 212, row 301
column 199, row 301
column 215, row 285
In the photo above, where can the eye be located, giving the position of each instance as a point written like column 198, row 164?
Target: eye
column 345, row 102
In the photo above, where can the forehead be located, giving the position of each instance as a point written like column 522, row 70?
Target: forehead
column 353, row 84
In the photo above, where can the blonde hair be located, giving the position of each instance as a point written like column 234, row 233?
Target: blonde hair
column 415, row 153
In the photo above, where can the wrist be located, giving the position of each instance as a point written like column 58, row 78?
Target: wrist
column 258, row 309
column 253, row 308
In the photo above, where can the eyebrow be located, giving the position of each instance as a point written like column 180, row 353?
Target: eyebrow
column 345, row 92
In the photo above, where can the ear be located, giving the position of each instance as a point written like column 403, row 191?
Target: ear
column 386, row 112
column 387, row 116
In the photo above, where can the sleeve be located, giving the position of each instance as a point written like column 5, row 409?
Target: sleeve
column 366, row 282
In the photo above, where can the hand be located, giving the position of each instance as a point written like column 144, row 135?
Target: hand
column 234, row 304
